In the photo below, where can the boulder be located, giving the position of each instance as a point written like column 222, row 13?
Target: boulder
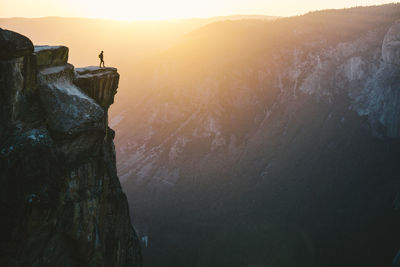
column 14, row 45
column 70, row 111
column 17, row 79
column 98, row 83
column 56, row 73
column 51, row 55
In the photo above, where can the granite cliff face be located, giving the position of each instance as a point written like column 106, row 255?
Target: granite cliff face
column 270, row 144
column 61, row 202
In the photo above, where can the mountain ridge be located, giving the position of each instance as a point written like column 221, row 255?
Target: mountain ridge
column 268, row 143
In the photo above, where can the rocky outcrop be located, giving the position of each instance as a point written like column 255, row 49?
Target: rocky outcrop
column 99, row 83
column 70, row 111
column 14, row 45
column 391, row 45
column 51, row 55
column 61, row 200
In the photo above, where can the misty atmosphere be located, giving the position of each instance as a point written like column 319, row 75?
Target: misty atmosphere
column 239, row 140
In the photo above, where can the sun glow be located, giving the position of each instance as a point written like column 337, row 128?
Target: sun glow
column 137, row 10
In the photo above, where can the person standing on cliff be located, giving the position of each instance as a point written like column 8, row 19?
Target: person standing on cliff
column 101, row 56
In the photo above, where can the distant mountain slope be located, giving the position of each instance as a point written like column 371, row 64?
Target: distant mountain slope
column 269, row 143
column 126, row 44
column 142, row 38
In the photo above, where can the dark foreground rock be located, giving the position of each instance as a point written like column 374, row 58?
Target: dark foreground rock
column 61, row 201
column 13, row 45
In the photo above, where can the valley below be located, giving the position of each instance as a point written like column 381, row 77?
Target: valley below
column 269, row 144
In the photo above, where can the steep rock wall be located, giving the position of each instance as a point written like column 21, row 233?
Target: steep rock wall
column 283, row 148
column 60, row 197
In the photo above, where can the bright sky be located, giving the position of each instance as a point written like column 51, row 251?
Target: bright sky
column 168, row 9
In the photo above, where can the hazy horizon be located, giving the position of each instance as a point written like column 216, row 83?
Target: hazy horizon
column 148, row 20
column 171, row 10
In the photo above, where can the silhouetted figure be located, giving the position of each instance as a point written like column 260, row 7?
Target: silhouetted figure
column 101, row 56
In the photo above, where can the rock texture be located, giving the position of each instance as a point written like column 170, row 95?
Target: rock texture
column 391, row 45
column 51, row 55
column 60, row 198
column 99, row 83
column 14, row 45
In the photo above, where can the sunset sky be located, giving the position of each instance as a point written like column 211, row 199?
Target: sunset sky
column 168, row 9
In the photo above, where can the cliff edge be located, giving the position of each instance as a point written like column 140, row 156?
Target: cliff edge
column 61, row 201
